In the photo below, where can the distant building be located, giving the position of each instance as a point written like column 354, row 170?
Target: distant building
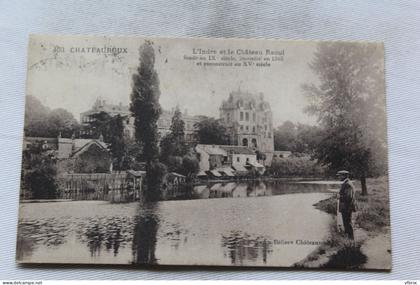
column 227, row 159
column 249, row 121
column 76, row 155
column 101, row 105
column 164, row 121
column 281, row 154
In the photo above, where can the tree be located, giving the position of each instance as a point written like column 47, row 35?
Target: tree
column 178, row 133
column 133, row 155
column 111, row 128
column 98, row 125
column 211, row 131
column 61, row 121
column 285, row 136
column 117, row 143
column 173, row 144
column 156, row 173
column 190, row 166
column 146, row 109
column 350, row 105
column 41, row 121
column 39, row 172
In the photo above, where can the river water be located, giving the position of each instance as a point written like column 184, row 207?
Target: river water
column 252, row 224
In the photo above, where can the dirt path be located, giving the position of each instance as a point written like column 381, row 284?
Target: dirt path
column 378, row 251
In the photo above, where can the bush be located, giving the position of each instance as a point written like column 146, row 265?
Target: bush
column 295, row 166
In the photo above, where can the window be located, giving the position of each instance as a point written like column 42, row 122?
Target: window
column 247, row 128
column 237, row 159
column 245, row 142
column 247, row 116
column 242, row 116
column 242, row 128
column 254, row 142
column 253, row 129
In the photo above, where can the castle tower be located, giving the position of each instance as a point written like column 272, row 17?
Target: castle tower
column 249, row 120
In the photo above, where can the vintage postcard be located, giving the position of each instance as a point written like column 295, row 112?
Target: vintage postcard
column 217, row 152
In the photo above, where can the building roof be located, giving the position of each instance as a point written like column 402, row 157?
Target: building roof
column 212, row 149
column 136, row 173
column 215, row 173
column 226, row 170
column 239, row 168
column 177, row 174
column 225, row 149
column 112, row 109
column 233, row 149
column 256, row 164
column 245, row 100
column 84, row 144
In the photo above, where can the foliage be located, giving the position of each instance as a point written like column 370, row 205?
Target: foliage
column 39, row 172
column 157, row 172
column 211, row 131
column 99, row 125
column 178, row 132
column 295, row 166
column 111, row 129
column 117, row 142
column 298, row 138
column 146, row 110
column 285, row 136
column 350, row 105
column 190, row 166
column 133, row 155
column 174, row 163
column 94, row 160
column 40, row 121
column 145, row 105
column 173, row 144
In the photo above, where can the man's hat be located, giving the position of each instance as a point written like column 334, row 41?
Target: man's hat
column 343, row 172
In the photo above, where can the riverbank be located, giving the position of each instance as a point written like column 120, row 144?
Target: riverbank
column 312, row 180
column 371, row 248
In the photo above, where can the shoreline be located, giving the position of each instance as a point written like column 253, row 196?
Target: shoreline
column 371, row 249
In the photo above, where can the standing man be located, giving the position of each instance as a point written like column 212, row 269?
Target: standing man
column 347, row 201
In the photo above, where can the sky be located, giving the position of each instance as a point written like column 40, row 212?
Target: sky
column 63, row 73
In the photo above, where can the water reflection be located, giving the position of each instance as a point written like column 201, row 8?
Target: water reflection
column 179, row 231
column 145, row 231
column 242, row 247
column 253, row 188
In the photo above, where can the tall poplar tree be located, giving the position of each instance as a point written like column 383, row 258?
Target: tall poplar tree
column 146, row 110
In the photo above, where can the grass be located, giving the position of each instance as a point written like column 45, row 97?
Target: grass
column 372, row 215
column 372, row 212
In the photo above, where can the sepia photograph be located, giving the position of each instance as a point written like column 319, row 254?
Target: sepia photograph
column 208, row 152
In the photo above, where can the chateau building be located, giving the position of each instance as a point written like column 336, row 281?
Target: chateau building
column 249, row 121
column 164, row 122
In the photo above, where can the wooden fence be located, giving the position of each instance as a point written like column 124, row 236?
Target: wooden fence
column 113, row 187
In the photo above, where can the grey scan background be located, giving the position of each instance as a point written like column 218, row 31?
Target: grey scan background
column 397, row 23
